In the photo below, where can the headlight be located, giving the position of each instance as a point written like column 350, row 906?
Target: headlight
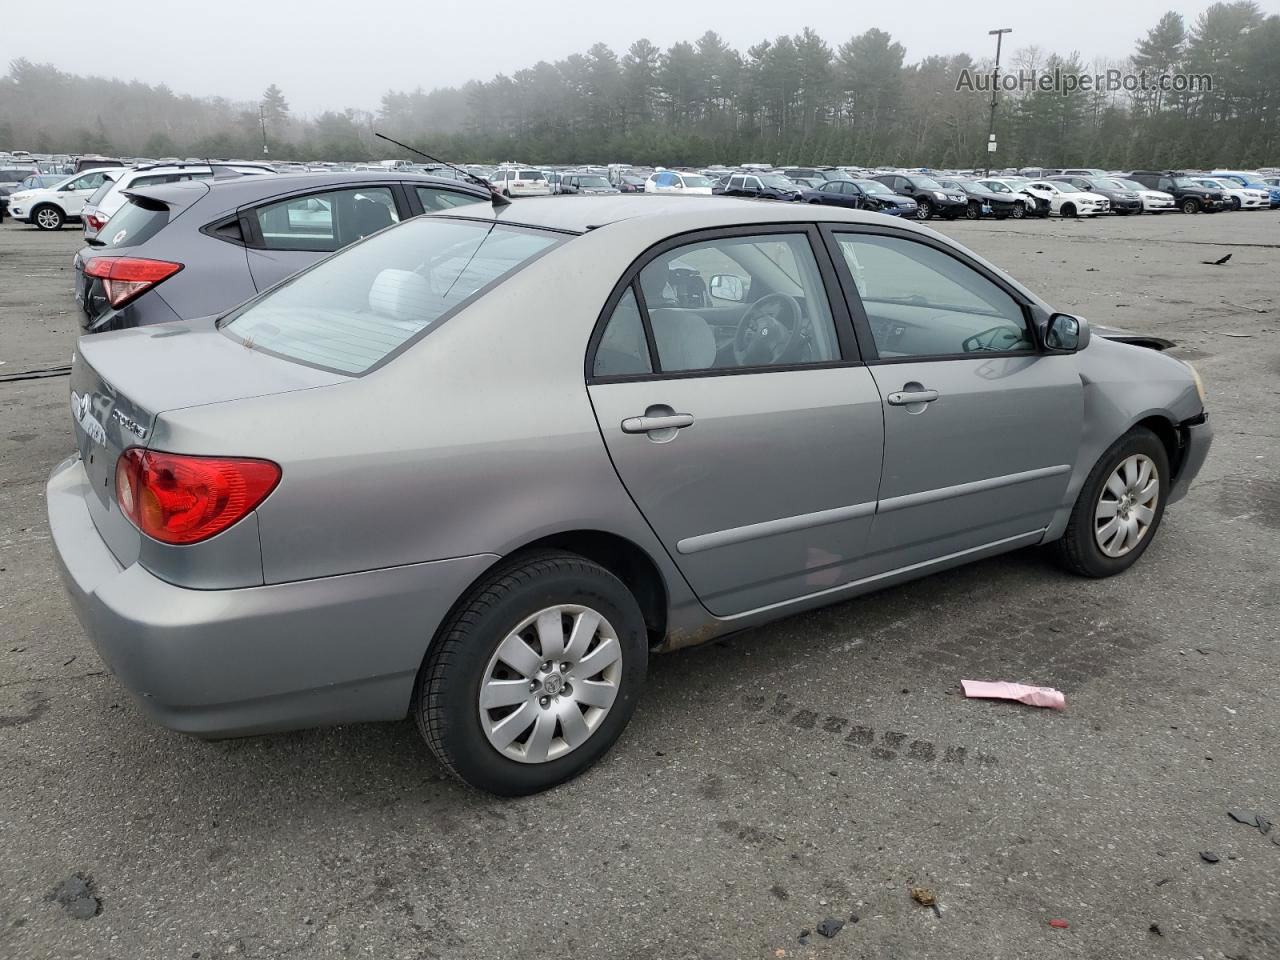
column 1195, row 375
column 939, row 194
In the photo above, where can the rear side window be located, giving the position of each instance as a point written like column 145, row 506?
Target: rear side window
column 135, row 223
column 623, row 348
column 433, row 198
column 326, row 221
column 355, row 310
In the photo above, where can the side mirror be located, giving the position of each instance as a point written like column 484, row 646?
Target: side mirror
column 1065, row 333
column 725, row 286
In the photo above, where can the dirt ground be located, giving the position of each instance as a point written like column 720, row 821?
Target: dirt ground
column 817, row 768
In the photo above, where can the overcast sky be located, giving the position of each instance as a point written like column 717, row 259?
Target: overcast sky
column 332, row 54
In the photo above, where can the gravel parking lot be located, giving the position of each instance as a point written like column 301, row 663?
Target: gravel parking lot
column 816, row 768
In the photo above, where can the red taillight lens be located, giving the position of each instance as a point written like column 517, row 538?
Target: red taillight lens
column 180, row 499
column 127, row 277
column 95, row 221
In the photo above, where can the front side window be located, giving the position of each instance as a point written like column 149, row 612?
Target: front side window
column 738, row 302
column 91, row 181
column 922, row 302
column 354, row 310
column 433, row 198
column 326, row 221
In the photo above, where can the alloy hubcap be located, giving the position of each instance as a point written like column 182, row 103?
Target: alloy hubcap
column 550, row 683
column 48, row 218
column 1127, row 505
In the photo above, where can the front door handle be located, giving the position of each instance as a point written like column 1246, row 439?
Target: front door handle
column 675, row 421
column 905, row 398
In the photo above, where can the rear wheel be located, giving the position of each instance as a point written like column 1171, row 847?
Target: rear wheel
column 48, row 218
column 534, row 676
column 1119, row 508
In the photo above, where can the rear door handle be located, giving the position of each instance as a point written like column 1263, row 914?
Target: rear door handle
column 905, row 397
column 646, row 424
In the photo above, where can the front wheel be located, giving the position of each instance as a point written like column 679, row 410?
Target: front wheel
column 924, row 211
column 1190, row 206
column 535, row 674
column 1019, row 210
column 48, row 218
column 973, row 211
column 1119, row 508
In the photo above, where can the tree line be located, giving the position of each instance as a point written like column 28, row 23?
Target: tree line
column 793, row 99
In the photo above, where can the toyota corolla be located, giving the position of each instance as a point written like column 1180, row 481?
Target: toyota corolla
column 478, row 467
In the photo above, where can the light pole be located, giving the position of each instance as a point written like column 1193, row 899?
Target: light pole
column 262, row 119
column 995, row 87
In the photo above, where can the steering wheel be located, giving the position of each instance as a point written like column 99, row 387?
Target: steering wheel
column 994, row 340
column 768, row 331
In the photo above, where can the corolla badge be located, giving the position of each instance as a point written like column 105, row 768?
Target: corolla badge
column 80, row 410
column 129, row 424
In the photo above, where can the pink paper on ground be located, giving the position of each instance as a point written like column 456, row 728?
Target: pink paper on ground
column 999, row 690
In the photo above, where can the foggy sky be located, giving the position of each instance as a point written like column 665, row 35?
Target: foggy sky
column 333, row 54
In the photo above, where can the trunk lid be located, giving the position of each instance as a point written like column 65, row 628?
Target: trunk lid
column 122, row 382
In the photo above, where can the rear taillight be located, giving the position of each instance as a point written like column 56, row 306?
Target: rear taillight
column 181, row 499
column 95, row 222
column 125, row 278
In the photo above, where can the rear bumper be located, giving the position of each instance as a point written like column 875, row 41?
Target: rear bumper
column 1199, row 437
column 231, row 662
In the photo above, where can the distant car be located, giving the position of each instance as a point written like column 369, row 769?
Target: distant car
column 586, row 183
column 1066, row 200
column 1190, row 196
column 1078, row 172
column 11, row 178
column 630, row 183
column 42, row 181
column 761, row 186
column 860, row 195
column 982, row 200
column 100, row 207
column 1024, row 204
column 52, row 207
column 194, row 248
column 95, row 162
column 521, row 182
column 1124, row 200
column 1253, row 181
column 1238, row 196
column 476, row 469
column 1153, row 201
column 931, row 199
column 675, row 181
column 814, row 173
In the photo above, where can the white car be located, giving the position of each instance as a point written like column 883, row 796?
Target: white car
column 1240, row 198
column 1066, row 200
column 1153, row 201
column 521, row 182
column 52, row 207
column 102, row 205
column 673, row 181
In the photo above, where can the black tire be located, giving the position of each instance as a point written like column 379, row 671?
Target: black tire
column 1191, row 205
column 924, row 210
column 446, row 699
column 1019, row 210
column 1067, row 210
column 1078, row 550
column 48, row 217
column 973, row 211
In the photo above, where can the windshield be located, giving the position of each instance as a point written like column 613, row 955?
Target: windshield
column 530, row 175
column 874, row 186
column 776, row 181
column 693, row 180
column 1109, row 184
column 1184, row 182
column 355, row 309
column 926, row 183
column 1066, row 187
column 1132, row 185
column 1216, row 184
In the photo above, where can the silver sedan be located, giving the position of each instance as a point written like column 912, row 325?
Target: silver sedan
column 476, row 468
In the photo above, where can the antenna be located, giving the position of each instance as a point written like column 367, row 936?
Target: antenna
column 497, row 199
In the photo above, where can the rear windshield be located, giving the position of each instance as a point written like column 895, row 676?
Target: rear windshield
column 357, row 308
column 530, row 175
column 134, row 223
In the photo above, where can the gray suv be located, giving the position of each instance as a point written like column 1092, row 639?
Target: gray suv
column 195, row 248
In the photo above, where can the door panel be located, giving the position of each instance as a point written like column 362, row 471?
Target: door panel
column 769, row 493
column 988, row 459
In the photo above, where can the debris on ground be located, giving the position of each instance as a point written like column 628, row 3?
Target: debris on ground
column 926, row 898
column 1208, row 856
column 1155, row 928
column 76, row 896
column 830, row 927
column 1058, row 924
column 1216, row 263
column 1000, row 690
column 1251, row 819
